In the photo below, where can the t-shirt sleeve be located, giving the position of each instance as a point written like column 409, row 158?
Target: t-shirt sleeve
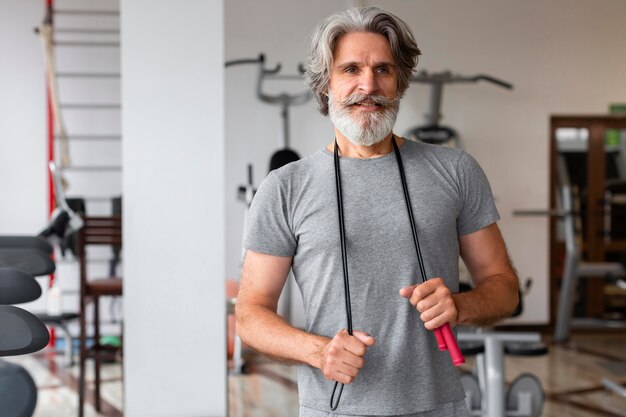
column 478, row 209
column 268, row 227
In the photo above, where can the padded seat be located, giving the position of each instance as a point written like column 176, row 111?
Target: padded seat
column 32, row 261
column 525, row 348
column 105, row 286
column 22, row 332
column 18, row 392
column 26, row 242
column 471, row 348
column 17, row 287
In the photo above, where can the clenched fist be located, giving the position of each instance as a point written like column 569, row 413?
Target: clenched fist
column 342, row 357
column 434, row 301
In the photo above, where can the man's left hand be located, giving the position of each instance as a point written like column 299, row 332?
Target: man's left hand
column 434, row 301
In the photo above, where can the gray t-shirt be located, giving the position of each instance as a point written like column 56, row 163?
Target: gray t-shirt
column 294, row 213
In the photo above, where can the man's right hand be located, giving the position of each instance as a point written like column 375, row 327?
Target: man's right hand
column 342, row 357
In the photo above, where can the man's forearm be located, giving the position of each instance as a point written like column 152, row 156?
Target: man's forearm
column 265, row 331
column 493, row 299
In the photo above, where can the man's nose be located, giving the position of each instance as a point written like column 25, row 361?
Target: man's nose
column 368, row 84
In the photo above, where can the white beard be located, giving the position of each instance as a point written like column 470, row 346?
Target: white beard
column 365, row 129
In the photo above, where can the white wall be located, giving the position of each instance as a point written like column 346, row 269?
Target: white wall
column 23, row 140
column 173, row 156
column 564, row 56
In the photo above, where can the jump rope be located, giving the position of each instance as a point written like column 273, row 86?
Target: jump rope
column 443, row 334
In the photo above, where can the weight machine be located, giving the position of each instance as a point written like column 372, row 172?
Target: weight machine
column 432, row 131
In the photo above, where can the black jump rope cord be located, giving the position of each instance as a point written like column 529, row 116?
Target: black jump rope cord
column 407, row 200
column 342, row 236
column 344, row 258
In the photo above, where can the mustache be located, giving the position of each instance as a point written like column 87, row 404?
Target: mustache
column 378, row 100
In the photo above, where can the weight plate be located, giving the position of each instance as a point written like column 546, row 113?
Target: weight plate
column 472, row 391
column 525, row 385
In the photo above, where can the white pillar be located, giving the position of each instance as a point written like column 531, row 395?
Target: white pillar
column 173, row 175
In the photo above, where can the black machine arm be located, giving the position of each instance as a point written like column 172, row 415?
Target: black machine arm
column 447, row 77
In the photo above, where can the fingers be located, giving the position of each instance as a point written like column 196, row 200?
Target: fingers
column 343, row 356
column 407, row 292
column 434, row 301
column 364, row 337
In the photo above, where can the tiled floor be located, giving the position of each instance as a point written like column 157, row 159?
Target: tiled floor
column 571, row 376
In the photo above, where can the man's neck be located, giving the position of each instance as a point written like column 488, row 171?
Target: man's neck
column 350, row 150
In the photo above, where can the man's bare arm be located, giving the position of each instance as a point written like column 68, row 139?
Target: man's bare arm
column 258, row 324
column 260, row 327
column 495, row 295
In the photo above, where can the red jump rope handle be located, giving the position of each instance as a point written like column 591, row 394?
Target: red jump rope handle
column 441, row 342
column 450, row 343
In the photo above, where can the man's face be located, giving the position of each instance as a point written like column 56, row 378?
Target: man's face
column 363, row 88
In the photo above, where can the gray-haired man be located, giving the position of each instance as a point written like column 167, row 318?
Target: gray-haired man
column 359, row 67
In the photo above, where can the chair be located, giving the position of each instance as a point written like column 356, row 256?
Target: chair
column 97, row 231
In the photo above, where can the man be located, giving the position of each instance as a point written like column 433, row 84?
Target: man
column 359, row 66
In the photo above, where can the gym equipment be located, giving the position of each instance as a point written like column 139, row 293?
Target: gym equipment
column 20, row 333
column 22, row 258
column 65, row 224
column 574, row 269
column 569, row 176
column 17, row 287
column 432, row 131
column 486, row 384
column 284, row 155
column 45, row 31
column 32, row 255
column 18, row 392
column 484, row 391
column 64, row 221
column 284, row 100
column 26, row 242
column 586, row 154
column 445, row 338
column 32, row 261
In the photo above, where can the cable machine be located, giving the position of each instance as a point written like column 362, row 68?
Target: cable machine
column 432, row 131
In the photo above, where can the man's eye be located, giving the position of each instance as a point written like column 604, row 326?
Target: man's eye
column 351, row 70
column 382, row 70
